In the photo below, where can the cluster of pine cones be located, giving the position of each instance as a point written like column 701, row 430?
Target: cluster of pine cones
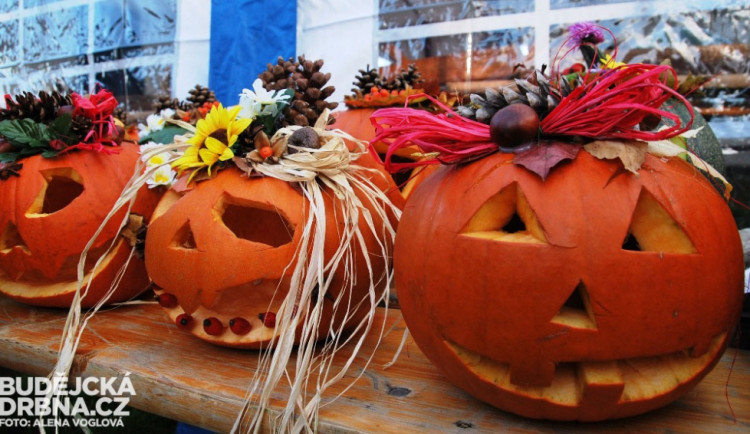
column 534, row 91
column 309, row 85
column 368, row 78
column 44, row 108
column 192, row 108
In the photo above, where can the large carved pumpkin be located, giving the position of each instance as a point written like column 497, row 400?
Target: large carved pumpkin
column 222, row 254
column 594, row 294
column 50, row 212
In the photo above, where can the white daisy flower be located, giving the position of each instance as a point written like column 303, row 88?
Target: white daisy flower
column 164, row 175
column 259, row 101
column 152, row 159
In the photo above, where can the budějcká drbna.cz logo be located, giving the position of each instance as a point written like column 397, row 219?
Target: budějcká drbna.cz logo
column 62, row 402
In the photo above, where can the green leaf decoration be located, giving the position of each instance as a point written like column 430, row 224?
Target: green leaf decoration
column 164, row 135
column 8, row 157
column 50, row 153
column 282, row 105
column 25, row 132
column 60, row 129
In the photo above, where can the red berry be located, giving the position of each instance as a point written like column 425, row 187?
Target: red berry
column 240, row 326
column 265, row 152
column 213, row 326
column 184, row 321
column 166, row 300
column 374, row 89
column 268, row 318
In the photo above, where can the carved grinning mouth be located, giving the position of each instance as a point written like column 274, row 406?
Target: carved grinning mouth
column 599, row 383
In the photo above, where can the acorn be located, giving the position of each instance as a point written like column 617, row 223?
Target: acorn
column 514, row 125
column 305, row 137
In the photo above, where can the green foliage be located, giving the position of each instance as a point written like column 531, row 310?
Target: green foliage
column 24, row 133
column 164, row 135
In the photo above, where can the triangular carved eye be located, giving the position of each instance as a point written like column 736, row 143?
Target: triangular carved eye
column 576, row 312
column 506, row 216
column 254, row 223
column 652, row 229
column 184, row 238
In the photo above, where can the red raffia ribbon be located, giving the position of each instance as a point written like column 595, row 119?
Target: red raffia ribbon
column 99, row 108
column 610, row 105
column 444, row 138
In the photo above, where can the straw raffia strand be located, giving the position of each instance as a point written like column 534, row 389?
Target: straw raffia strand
column 314, row 171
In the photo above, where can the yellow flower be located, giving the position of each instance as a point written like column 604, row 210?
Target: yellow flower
column 609, row 63
column 213, row 140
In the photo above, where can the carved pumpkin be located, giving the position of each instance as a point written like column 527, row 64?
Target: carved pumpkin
column 219, row 253
column 595, row 294
column 357, row 123
column 49, row 213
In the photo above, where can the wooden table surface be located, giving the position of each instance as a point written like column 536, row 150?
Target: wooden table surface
column 180, row 377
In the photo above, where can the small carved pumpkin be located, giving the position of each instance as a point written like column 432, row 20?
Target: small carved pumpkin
column 50, row 212
column 222, row 254
column 594, row 294
column 356, row 122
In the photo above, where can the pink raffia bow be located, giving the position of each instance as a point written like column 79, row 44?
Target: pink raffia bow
column 610, row 105
column 448, row 136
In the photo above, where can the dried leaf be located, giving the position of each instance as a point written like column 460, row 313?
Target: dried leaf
column 666, row 148
column 547, row 154
column 632, row 153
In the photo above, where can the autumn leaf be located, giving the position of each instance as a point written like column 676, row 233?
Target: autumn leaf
column 632, row 153
column 547, row 154
column 666, row 148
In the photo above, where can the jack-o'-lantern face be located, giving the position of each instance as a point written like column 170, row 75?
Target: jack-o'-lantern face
column 222, row 255
column 48, row 215
column 594, row 294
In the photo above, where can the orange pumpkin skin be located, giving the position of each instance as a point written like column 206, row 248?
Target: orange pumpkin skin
column 223, row 248
column 46, row 227
column 357, row 123
column 490, row 306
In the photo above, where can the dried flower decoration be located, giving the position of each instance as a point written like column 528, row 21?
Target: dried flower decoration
column 52, row 125
column 609, row 102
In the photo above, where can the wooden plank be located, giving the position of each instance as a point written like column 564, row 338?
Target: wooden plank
column 179, row 377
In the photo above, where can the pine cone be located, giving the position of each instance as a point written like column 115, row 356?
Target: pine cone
column 410, row 77
column 246, row 139
column 309, row 85
column 121, row 114
column 366, row 80
column 534, row 91
column 41, row 109
column 80, row 126
column 200, row 95
column 166, row 102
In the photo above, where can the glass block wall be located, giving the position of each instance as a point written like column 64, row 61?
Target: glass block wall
column 130, row 47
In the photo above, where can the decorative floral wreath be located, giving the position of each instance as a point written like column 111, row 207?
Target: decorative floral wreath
column 55, row 124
